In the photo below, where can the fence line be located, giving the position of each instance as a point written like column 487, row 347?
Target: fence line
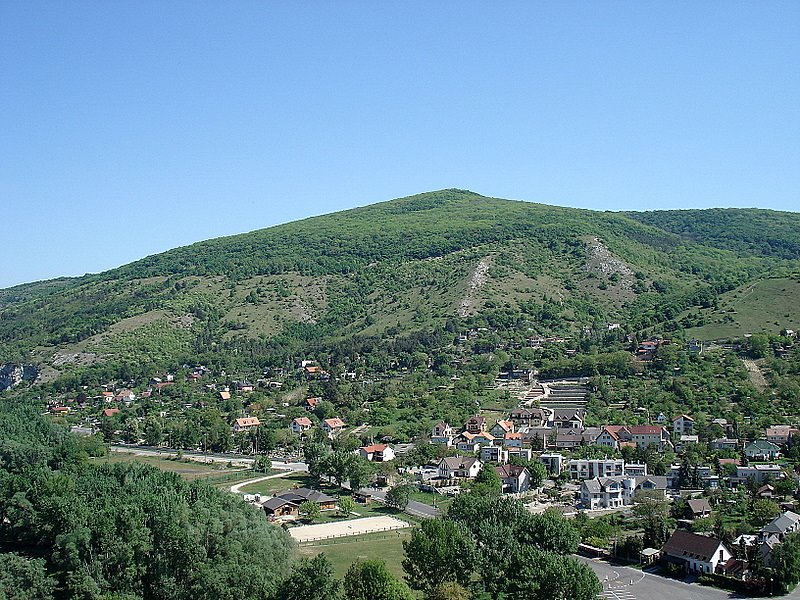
column 320, row 542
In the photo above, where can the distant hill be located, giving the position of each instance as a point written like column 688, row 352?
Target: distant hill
column 415, row 266
column 744, row 230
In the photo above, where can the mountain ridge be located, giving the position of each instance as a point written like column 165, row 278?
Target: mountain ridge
column 400, row 267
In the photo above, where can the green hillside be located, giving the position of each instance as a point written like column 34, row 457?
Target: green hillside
column 396, row 272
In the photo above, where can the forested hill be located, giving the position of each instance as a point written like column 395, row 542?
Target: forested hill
column 744, row 230
column 421, row 267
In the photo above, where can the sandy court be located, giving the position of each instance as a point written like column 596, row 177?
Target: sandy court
column 307, row 533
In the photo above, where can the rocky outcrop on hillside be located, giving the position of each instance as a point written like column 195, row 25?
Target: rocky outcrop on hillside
column 11, row 375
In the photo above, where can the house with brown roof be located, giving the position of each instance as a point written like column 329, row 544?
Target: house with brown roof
column 699, row 508
column 475, row 424
column 287, row 503
column 502, row 427
column 300, row 425
column 332, row 427
column 310, row 404
column 224, row 395
column 780, row 434
column 377, row 453
column 245, row 424
column 110, row 412
column 695, row 553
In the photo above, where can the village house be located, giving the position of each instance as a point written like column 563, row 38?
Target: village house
column 682, row 425
column 774, row 532
column 762, row 450
column 496, row 454
column 475, row 424
column 539, row 438
column 700, row 476
column 442, row 433
column 377, row 453
column 605, row 492
column 642, row 436
column 758, row 473
column 616, row 491
column 780, row 434
column 107, row 396
column 553, row 462
column 224, row 395
column 515, row 479
column 287, row 503
column 529, row 417
column 484, row 438
column 300, row 425
column 568, row 419
column 246, row 424
column 635, row 469
column 124, row 396
column 311, row 404
column 521, row 453
column 333, row 426
column 501, row 428
column 649, row 435
column 467, row 443
column 512, row 440
column 699, row 508
column 110, row 412
column 597, row 467
column 695, row 553
column 725, row 444
column 567, row 439
column 459, row 467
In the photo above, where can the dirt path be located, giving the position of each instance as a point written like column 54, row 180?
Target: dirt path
column 755, row 374
column 237, row 488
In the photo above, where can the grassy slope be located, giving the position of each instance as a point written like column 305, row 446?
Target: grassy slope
column 764, row 306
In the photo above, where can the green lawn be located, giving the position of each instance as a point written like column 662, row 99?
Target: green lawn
column 188, row 469
column 277, row 484
column 344, row 552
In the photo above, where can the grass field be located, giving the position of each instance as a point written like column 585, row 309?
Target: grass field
column 214, row 473
column 277, row 484
column 344, row 552
column 765, row 306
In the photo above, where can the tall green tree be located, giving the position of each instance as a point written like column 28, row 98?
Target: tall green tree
column 371, row 580
column 311, row 579
column 439, row 550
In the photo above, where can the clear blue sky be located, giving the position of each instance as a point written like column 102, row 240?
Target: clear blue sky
column 128, row 128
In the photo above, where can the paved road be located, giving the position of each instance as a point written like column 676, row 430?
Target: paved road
column 624, row 583
column 415, row 509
